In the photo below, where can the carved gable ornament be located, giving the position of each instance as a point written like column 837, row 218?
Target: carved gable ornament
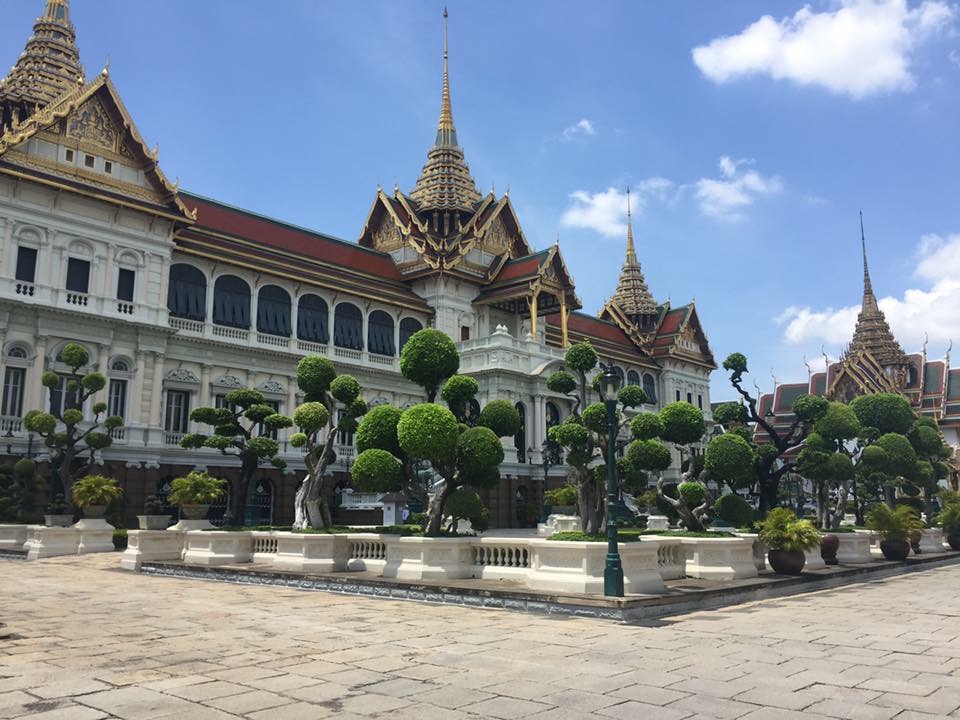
column 182, row 375
column 272, row 387
column 231, row 381
column 386, row 236
column 90, row 123
column 496, row 240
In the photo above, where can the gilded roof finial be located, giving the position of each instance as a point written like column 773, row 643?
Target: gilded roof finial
column 867, row 285
column 631, row 251
column 446, row 111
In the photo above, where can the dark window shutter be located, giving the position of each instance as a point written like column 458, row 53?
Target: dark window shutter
column 125, row 281
column 26, row 264
column 78, row 275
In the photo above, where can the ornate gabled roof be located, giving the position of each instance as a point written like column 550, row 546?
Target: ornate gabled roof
column 93, row 118
column 445, row 182
column 680, row 335
column 872, row 334
column 633, row 296
column 49, row 66
column 543, row 273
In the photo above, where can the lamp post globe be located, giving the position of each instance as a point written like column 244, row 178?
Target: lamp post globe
column 613, row 568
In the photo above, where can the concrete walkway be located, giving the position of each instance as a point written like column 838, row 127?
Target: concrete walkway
column 89, row 642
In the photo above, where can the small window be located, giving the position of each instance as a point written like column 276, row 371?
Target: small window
column 17, row 352
column 78, row 275
column 125, row 280
column 89, row 161
column 690, row 398
column 26, row 264
column 69, row 156
column 700, row 401
column 13, row 388
column 678, row 396
column 108, row 167
column 177, row 416
column 464, row 332
column 117, row 398
column 120, row 366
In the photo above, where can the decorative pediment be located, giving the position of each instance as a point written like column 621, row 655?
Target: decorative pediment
column 230, row 381
column 91, row 123
column 272, row 387
column 183, row 375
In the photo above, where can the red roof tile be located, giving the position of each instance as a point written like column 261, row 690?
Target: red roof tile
column 593, row 327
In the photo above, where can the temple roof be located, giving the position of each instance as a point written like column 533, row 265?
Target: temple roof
column 49, row 66
column 872, row 334
column 445, row 182
column 632, row 295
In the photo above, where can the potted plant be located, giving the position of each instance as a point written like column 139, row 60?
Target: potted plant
column 949, row 520
column 93, row 493
column 561, row 500
column 195, row 492
column 58, row 512
column 829, row 545
column 894, row 526
column 154, row 517
column 788, row 538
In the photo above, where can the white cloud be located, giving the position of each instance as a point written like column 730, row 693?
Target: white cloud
column 863, row 47
column 921, row 312
column 726, row 198
column 584, row 127
column 605, row 212
column 955, row 57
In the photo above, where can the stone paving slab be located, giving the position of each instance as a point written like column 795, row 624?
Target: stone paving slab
column 87, row 642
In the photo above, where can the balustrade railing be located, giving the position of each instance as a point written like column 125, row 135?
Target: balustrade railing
column 231, row 332
column 194, row 326
column 362, row 549
column 172, row 438
column 264, row 545
column 10, row 424
column 26, row 289
column 81, row 299
column 312, row 347
column 348, row 353
column 125, row 308
column 273, row 340
column 512, row 556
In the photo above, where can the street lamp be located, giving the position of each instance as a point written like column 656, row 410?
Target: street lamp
column 613, row 569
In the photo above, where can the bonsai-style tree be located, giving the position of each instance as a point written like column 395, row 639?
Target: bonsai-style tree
column 776, row 456
column 18, row 486
column 828, row 461
column 319, row 423
column 428, row 358
column 584, row 433
column 932, row 453
column 72, row 447
column 239, row 430
column 94, row 490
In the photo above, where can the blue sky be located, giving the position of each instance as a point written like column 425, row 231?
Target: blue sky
column 749, row 158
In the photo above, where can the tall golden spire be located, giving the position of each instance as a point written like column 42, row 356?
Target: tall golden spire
column 445, row 182
column 48, row 67
column 632, row 295
column 872, row 333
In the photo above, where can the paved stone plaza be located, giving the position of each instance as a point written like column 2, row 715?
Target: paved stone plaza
column 88, row 641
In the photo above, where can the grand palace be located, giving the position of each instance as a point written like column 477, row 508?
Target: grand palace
column 179, row 298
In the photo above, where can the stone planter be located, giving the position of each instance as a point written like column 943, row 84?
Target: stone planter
column 854, row 548
column 813, row 560
column 719, row 558
column 671, row 556
column 577, row 567
column 558, row 523
column 12, row 537
column 207, row 547
column 153, row 522
column 658, row 522
column 149, row 545
column 58, row 520
column 94, row 512
column 428, row 558
column 311, row 552
column 931, row 541
column 195, row 511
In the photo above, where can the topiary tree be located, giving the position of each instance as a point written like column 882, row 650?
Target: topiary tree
column 18, row 487
column 465, row 504
column 887, row 412
column 933, row 453
column 584, row 433
column 332, row 404
column 827, row 461
column 71, row 447
column 376, row 439
column 734, row 509
column 457, row 392
column 428, row 358
column 778, row 459
column 240, row 430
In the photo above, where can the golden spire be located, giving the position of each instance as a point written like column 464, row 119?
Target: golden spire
column 872, row 333
column 48, row 67
column 632, row 295
column 445, row 182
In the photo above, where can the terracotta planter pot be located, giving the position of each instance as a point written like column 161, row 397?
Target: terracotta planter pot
column 953, row 540
column 895, row 549
column 829, row 544
column 195, row 512
column 94, row 511
column 786, row 562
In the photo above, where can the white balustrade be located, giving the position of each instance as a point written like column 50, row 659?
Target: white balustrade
column 231, row 333
column 348, row 353
column 312, row 348
column 191, row 326
column 273, row 340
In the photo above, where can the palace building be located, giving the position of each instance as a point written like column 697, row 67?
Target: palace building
column 874, row 362
column 180, row 298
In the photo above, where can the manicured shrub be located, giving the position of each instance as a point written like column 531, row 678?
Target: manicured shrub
column 682, row 423
column 428, row 358
column 734, row 509
column 501, row 417
column 378, row 429
column 646, row 426
column 428, row 432
column 692, row 493
column 376, row 470
column 314, row 375
column 887, row 412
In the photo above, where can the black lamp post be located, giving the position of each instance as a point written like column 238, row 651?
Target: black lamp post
column 613, row 570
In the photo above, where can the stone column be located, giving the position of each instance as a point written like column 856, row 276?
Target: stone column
column 156, row 391
column 294, row 319
column 204, row 396
column 209, row 311
column 164, row 271
column 9, row 254
column 254, row 304
column 365, row 330
column 108, row 286
column 36, row 392
column 136, row 391
column 396, row 333
column 331, row 315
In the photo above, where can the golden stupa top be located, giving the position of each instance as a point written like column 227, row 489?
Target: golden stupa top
column 632, row 295
column 445, row 182
column 49, row 66
column 872, row 333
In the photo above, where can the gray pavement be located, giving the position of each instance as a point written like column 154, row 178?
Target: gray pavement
column 90, row 642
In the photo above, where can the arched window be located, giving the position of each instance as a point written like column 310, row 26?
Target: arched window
column 312, row 318
column 408, row 326
column 120, row 366
column 380, row 333
column 911, row 376
column 17, row 352
column 231, row 302
column 348, row 326
column 259, row 510
column 273, row 311
column 552, row 413
column 649, row 388
column 633, row 377
column 520, row 439
column 618, row 371
column 187, row 294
